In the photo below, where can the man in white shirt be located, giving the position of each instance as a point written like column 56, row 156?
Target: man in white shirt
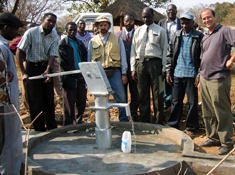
column 148, row 59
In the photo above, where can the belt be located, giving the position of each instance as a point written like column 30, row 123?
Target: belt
column 150, row 59
column 42, row 63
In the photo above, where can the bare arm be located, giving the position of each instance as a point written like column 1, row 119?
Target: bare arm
column 20, row 60
column 230, row 62
column 47, row 71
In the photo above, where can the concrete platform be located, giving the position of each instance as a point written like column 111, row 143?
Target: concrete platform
column 72, row 150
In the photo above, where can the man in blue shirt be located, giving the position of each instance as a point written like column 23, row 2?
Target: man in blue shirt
column 71, row 52
column 183, row 62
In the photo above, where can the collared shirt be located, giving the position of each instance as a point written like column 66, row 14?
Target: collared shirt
column 77, row 58
column 171, row 28
column 156, row 45
column 84, row 38
column 216, row 50
column 130, row 33
column 39, row 47
column 122, row 52
column 13, row 88
column 185, row 66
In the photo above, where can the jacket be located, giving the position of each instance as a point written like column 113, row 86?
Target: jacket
column 127, row 45
column 108, row 54
column 163, row 23
column 66, row 61
column 174, row 48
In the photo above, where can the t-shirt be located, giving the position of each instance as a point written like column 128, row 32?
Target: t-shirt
column 84, row 38
column 216, row 50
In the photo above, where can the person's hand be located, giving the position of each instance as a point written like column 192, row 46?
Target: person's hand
column 198, row 86
column 25, row 78
column 229, row 64
column 169, row 80
column 163, row 75
column 10, row 76
column 134, row 75
column 48, row 79
column 196, row 82
column 124, row 79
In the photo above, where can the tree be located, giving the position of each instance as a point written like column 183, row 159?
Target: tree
column 79, row 6
column 61, row 22
column 229, row 19
column 196, row 11
column 32, row 10
column 222, row 9
column 2, row 5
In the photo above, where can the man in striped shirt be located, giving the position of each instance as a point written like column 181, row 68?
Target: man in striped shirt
column 41, row 46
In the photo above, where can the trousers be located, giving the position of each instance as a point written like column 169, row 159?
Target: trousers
column 216, row 109
column 41, row 98
column 148, row 74
column 119, row 92
column 71, row 98
column 134, row 97
column 179, row 88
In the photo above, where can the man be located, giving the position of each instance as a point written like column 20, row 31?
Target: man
column 10, row 126
column 183, row 62
column 83, row 35
column 71, row 52
column 109, row 49
column 41, row 46
column 148, row 59
column 171, row 24
column 127, row 36
column 13, row 47
column 215, row 82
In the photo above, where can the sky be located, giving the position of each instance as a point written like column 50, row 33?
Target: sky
column 187, row 4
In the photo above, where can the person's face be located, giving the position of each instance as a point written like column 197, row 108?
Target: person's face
column 11, row 32
column 147, row 17
column 186, row 24
column 128, row 22
column 72, row 31
column 208, row 19
column 49, row 23
column 95, row 31
column 81, row 25
column 103, row 27
column 171, row 12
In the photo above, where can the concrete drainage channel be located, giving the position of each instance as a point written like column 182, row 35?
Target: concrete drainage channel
column 156, row 149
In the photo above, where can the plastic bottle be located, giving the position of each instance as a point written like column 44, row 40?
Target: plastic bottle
column 126, row 142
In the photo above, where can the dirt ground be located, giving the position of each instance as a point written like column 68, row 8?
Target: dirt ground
column 89, row 116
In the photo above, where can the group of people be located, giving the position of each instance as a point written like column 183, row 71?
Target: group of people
column 171, row 58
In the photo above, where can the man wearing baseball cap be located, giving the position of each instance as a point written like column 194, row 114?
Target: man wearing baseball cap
column 183, row 62
column 10, row 126
column 108, row 48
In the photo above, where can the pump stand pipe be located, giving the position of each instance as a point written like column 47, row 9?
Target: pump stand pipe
column 102, row 118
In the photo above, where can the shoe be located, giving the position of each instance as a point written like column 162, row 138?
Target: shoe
column 209, row 143
column 190, row 134
column 225, row 149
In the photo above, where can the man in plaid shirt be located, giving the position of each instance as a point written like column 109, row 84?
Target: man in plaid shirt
column 183, row 62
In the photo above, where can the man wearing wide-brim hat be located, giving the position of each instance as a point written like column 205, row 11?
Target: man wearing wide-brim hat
column 10, row 126
column 108, row 48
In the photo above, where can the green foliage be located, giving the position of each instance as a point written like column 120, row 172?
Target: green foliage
column 229, row 19
column 82, row 6
column 155, row 4
column 222, row 9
